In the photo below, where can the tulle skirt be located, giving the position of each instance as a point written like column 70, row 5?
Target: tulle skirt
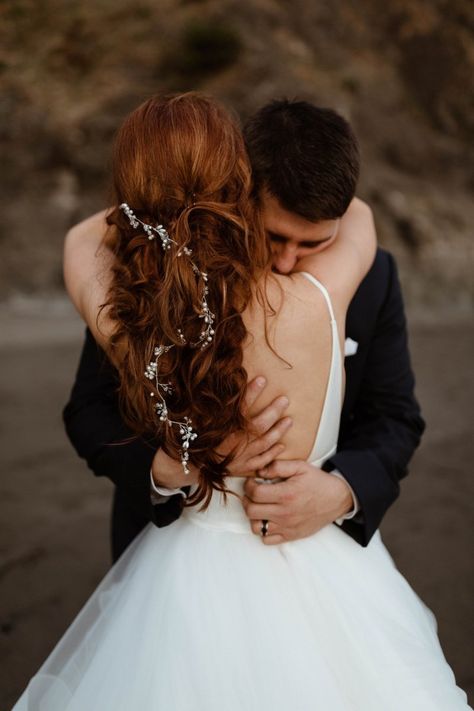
column 196, row 618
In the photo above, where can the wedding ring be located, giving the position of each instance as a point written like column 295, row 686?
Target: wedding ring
column 264, row 528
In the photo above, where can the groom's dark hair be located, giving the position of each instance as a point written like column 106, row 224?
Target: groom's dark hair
column 305, row 156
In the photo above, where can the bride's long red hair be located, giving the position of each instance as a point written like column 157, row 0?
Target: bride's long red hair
column 181, row 161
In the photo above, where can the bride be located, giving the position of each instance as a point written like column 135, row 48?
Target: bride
column 200, row 615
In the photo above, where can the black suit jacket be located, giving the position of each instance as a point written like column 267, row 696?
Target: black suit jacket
column 381, row 424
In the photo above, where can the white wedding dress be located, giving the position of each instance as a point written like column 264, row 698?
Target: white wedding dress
column 201, row 616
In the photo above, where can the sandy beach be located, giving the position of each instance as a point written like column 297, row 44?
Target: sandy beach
column 54, row 536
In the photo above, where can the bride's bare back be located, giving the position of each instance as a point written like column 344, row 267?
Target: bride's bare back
column 295, row 356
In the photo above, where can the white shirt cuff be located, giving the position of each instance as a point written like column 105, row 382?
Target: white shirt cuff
column 356, row 506
column 160, row 494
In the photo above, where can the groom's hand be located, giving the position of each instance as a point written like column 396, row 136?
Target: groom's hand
column 251, row 453
column 305, row 501
column 257, row 450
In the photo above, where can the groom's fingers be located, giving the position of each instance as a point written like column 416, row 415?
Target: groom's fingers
column 271, row 437
column 273, row 540
column 253, row 391
column 284, row 468
column 266, row 457
column 261, row 512
column 262, row 422
column 261, row 451
column 271, row 537
column 267, row 427
column 264, row 493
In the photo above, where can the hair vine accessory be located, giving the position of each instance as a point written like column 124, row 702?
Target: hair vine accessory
column 151, row 231
column 185, row 427
column 207, row 332
column 205, row 337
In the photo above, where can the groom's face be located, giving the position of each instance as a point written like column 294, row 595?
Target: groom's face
column 292, row 236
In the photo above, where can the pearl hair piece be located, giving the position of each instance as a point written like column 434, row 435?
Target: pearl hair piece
column 205, row 337
column 151, row 231
column 185, row 427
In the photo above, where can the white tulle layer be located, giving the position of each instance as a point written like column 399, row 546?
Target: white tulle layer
column 200, row 619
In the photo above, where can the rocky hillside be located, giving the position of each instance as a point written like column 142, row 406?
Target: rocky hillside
column 402, row 71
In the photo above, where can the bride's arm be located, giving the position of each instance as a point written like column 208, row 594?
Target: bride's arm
column 344, row 263
column 87, row 274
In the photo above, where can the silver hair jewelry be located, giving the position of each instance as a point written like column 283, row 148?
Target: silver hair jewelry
column 205, row 337
column 207, row 332
column 151, row 231
column 185, row 427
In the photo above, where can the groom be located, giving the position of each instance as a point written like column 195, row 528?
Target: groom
column 305, row 163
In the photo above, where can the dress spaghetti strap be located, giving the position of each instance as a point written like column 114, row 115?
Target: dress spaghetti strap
column 326, row 436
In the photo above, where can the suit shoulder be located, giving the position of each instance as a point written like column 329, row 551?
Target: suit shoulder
column 384, row 263
column 382, row 273
column 378, row 282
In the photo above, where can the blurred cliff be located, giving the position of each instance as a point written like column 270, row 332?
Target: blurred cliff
column 402, row 71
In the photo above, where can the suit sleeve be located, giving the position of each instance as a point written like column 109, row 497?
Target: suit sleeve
column 385, row 425
column 98, row 434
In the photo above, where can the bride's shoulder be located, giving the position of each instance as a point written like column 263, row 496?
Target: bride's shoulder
column 294, row 291
column 290, row 301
